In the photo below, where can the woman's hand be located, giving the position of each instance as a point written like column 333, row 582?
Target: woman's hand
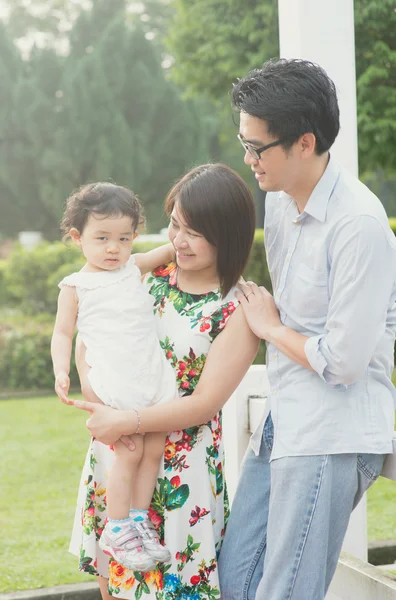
column 260, row 309
column 105, row 424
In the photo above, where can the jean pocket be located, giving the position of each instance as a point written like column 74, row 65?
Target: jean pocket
column 268, row 433
column 370, row 465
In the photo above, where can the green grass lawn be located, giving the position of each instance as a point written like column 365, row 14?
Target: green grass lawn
column 43, row 446
column 43, row 443
column 381, row 510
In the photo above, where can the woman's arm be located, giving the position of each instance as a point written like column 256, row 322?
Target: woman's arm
column 62, row 340
column 148, row 261
column 229, row 358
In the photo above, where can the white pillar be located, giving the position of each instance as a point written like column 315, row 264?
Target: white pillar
column 239, row 421
column 323, row 31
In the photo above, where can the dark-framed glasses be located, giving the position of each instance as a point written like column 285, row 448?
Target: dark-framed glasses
column 256, row 152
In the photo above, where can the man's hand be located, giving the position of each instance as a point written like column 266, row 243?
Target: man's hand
column 259, row 308
column 105, row 424
column 62, row 385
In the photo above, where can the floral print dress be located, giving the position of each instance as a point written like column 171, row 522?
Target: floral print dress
column 189, row 506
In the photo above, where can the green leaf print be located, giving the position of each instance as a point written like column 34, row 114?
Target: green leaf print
column 178, row 300
column 219, row 480
column 158, row 290
column 177, row 497
column 90, row 570
column 165, row 487
column 92, row 463
column 113, row 591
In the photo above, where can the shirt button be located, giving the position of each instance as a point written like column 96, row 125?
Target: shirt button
column 288, row 258
column 297, row 222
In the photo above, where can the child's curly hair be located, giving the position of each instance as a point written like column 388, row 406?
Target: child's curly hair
column 102, row 198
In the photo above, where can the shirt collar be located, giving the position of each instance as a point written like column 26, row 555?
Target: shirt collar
column 319, row 199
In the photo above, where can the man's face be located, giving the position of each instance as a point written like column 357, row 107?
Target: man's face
column 276, row 169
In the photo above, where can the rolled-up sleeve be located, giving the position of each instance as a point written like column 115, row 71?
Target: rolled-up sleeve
column 362, row 258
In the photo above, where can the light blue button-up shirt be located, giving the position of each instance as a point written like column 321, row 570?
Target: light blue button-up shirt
column 333, row 270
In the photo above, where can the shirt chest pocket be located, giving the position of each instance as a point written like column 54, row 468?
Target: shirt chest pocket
column 309, row 293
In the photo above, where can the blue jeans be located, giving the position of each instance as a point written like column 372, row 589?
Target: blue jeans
column 288, row 521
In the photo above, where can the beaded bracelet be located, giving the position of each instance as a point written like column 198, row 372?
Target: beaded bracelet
column 138, row 421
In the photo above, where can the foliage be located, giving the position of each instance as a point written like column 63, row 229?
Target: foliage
column 30, row 293
column 31, row 277
column 25, row 360
column 375, row 31
column 213, row 43
column 104, row 112
column 384, row 187
column 3, row 293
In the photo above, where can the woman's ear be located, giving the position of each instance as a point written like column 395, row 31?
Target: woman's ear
column 75, row 236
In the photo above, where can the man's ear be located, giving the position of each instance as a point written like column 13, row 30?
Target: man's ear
column 75, row 236
column 308, row 143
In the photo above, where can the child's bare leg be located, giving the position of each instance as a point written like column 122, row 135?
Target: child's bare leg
column 154, row 445
column 122, row 478
column 103, row 583
column 119, row 539
column 146, row 478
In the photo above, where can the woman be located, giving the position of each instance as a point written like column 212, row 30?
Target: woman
column 211, row 228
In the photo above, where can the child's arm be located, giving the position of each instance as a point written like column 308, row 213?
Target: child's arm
column 62, row 340
column 148, row 261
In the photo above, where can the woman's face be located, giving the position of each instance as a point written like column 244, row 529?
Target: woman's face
column 193, row 251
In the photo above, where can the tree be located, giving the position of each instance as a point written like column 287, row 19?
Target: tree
column 375, row 25
column 51, row 19
column 104, row 112
column 215, row 42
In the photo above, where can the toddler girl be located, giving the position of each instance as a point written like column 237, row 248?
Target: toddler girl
column 114, row 317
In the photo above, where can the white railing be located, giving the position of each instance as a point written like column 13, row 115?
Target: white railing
column 355, row 579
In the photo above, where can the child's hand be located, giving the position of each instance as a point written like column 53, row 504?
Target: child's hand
column 62, row 385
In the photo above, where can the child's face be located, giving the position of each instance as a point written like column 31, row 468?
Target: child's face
column 105, row 242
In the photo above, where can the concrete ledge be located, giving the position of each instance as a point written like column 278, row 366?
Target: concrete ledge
column 75, row 591
column 357, row 580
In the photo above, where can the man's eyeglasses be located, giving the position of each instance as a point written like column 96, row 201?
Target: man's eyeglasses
column 256, row 152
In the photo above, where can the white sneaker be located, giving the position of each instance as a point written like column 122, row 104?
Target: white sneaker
column 151, row 541
column 127, row 548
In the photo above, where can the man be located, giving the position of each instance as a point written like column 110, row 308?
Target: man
column 330, row 331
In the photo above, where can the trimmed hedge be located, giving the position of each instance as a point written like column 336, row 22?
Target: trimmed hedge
column 29, row 279
column 28, row 294
column 25, row 360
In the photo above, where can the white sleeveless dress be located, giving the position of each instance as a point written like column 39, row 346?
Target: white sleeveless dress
column 116, row 323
